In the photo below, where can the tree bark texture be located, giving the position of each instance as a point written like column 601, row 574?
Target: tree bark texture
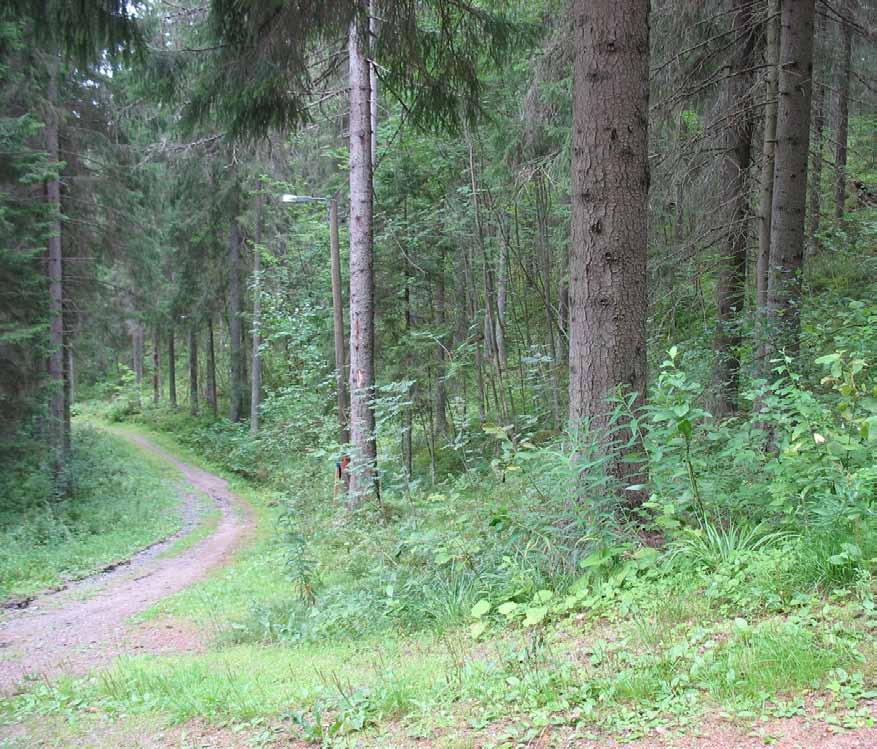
column 362, row 292
column 765, row 202
column 790, row 177
column 54, row 273
column 610, row 185
column 842, row 114
column 731, row 288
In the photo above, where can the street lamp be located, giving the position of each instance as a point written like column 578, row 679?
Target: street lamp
column 287, row 198
column 336, row 303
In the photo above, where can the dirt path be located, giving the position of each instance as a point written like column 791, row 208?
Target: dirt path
column 88, row 622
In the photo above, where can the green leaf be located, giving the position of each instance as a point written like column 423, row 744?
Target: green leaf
column 507, row 608
column 481, row 608
column 535, row 615
column 477, row 629
column 684, row 427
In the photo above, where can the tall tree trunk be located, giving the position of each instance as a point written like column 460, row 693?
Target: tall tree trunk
column 790, row 177
column 815, row 181
column 842, row 114
column 137, row 338
column 56, row 282
column 193, row 368
column 731, row 289
column 256, row 382
column 545, row 252
column 440, row 402
column 765, row 201
column 373, row 24
column 68, row 379
column 610, row 186
column 171, row 367
column 407, row 418
column 156, row 367
column 820, row 71
column 338, row 325
column 236, row 372
column 362, row 289
column 211, row 369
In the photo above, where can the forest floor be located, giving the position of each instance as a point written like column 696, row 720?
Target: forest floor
column 147, row 656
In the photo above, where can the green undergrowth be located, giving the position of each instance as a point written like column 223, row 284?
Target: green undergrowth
column 120, row 500
column 453, row 616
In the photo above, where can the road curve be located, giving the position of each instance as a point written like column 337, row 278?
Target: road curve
column 87, row 624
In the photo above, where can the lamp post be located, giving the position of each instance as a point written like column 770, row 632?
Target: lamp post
column 337, row 308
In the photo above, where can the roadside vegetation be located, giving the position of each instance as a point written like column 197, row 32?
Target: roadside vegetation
column 115, row 501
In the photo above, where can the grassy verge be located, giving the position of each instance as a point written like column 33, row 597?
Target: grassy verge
column 122, row 499
column 322, row 633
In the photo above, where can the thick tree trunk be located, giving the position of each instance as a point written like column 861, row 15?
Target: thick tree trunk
column 842, row 115
column 790, row 177
column 236, row 371
column 362, row 291
column 211, row 369
column 56, row 283
column 256, row 382
column 765, row 202
column 610, row 186
column 338, row 325
column 193, row 369
column 171, row 367
column 731, row 289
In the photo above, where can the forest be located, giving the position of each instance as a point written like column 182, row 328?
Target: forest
column 438, row 373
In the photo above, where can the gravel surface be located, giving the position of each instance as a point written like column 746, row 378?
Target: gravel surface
column 87, row 623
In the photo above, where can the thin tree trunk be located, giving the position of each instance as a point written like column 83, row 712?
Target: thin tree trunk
column 68, row 380
column 362, row 291
column 440, row 402
column 236, row 372
column 338, row 325
column 545, row 253
column 842, row 114
column 171, row 368
column 211, row 369
column 256, row 382
column 815, row 181
column 156, row 368
column 193, row 368
column 56, row 283
column 765, row 203
column 610, row 185
column 731, row 289
column 137, row 336
column 373, row 79
column 790, row 177
column 407, row 418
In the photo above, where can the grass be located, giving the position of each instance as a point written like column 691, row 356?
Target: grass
column 659, row 650
column 122, row 500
